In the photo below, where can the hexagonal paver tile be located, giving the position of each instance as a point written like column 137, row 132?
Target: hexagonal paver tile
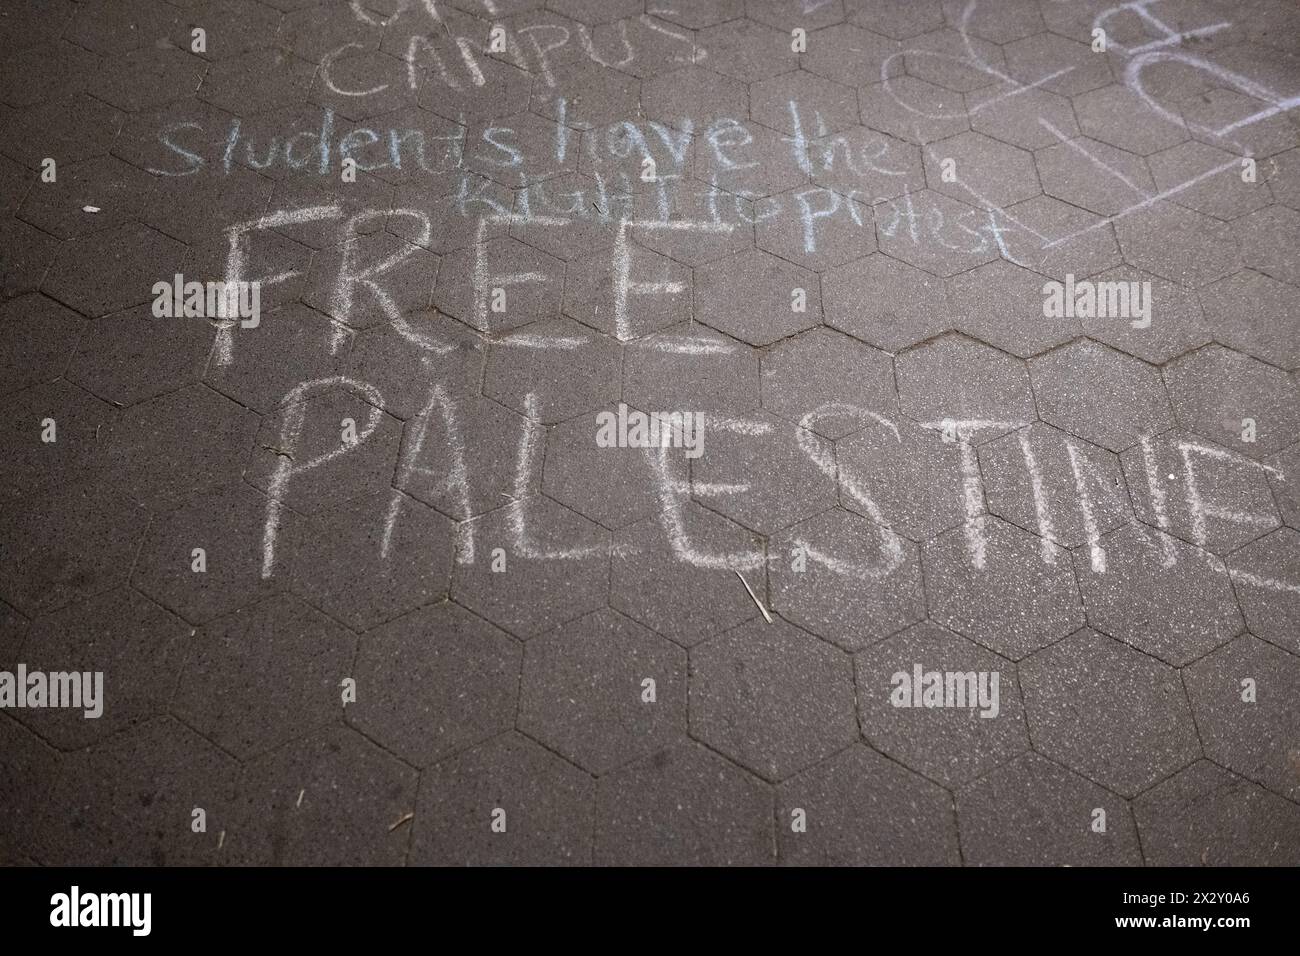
column 1163, row 596
column 301, row 460
column 554, row 371
column 363, row 70
column 1216, row 390
column 407, row 287
column 112, row 270
column 986, row 171
column 556, row 566
column 375, row 557
column 1002, row 304
column 257, row 81
column 459, row 478
column 1255, row 314
column 695, row 96
column 66, row 543
column 531, row 281
column 584, row 693
column 653, row 293
column 607, row 95
column 1021, row 117
column 1177, row 322
column 1216, row 189
column 821, row 367
column 519, row 149
column 236, row 26
column 913, row 110
column 1118, row 115
column 421, row 363
column 129, row 800
column 690, row 367
column 504, row 88
column 1266, row 575
column 145, row 79
column 1035, row 60
column 748, row 51
column 475, row 203
column 1178, row 244
column 886, row 302
column 954, row 60
column 1033, row 813
column 849, row 55
column 265, row 675
column 1206, row 816
column 329, row 799
column 683, row 805
column 135, row 648
column 1094, row 175
column 228, row 523
column 505, row 802
column 998, row 23
column 1066, row 490
column 860, row 809
column 956, row 378
column 433, row 682
column 132, row 356
column 846, row 579
column 292, row 344
column 864, row 164
column 37, row 340
column 637, row 171
column 696, row 222
column 69, row 418
column 786, row 16
column 1108, row 712
column 764, row 473
column 1214, row 498
column 202, row 436
column 311, row 34
column 676, row 574
column 900, row 19
column 949, row 740
column 803, row 103
column 1099, row 394
column 909, row 477
column 28, row 768
column 698, row 15
column 747, row 159
column 47, row 71
column 1001, row 587
column 1208, row 111
column 117, row 191
column 1255, row 738
column 830, row 229
column 933, row 232
column 596, row 11
column 754, row 297
column 1055, row 238
column 743, row 684
column 612, row 486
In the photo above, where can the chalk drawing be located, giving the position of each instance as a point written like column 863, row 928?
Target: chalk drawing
column 237, row 262
column 288, row 465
